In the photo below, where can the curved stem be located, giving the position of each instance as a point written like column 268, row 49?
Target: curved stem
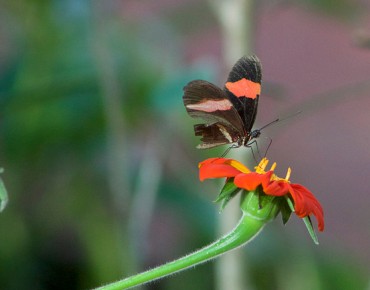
column 247, row 228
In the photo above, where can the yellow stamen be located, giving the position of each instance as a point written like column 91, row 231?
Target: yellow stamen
column 260, row 168
column 287, row 176
column 273, row 166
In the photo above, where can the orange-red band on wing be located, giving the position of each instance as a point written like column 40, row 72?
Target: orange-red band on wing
column 211, row 106
column 244, row 88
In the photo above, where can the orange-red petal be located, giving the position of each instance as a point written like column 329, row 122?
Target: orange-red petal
column 220, row 167
column 249, row 181
column 217, row 171
column 275, row 187
column 305, row 204
column 214, row 160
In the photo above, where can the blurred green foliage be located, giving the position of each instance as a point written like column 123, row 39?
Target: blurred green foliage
column 60, row 230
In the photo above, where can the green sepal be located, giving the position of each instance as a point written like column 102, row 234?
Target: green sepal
column 3, row 194
column 285, row 209
column 227, row 193
column 306, row 220
column 289, row 203
column 311, row 231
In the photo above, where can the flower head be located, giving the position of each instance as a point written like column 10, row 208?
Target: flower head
column 266, row 182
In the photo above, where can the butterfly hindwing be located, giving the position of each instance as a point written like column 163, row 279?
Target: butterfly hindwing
column 204, row 100
column 212, row 135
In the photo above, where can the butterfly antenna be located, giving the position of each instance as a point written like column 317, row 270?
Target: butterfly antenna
column 268, row 124
column 279, row 119
column 257, row 132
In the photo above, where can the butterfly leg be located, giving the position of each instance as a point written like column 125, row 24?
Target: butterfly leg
column 250, row 145
column 228, row 149
column 268, row 147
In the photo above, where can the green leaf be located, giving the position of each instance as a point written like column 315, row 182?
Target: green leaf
column 227, row 193
column 3, row 194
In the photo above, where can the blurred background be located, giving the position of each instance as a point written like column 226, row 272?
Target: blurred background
column 99, row 153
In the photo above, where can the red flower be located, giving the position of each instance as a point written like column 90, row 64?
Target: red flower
column 305, row 202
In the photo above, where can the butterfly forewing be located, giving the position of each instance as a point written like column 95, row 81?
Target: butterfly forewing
column 243, row 88
column 228, row 114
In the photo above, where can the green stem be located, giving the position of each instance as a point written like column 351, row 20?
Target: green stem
column 247, row 228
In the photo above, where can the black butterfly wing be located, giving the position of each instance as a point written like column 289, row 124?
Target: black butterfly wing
column 243, row 88
column 223, row 124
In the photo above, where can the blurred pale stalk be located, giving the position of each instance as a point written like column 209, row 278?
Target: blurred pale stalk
column 3, row 194
column 144, row 197
column 111, row 91
column 236, row 18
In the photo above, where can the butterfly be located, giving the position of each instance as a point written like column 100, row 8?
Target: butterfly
column 228, row 113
